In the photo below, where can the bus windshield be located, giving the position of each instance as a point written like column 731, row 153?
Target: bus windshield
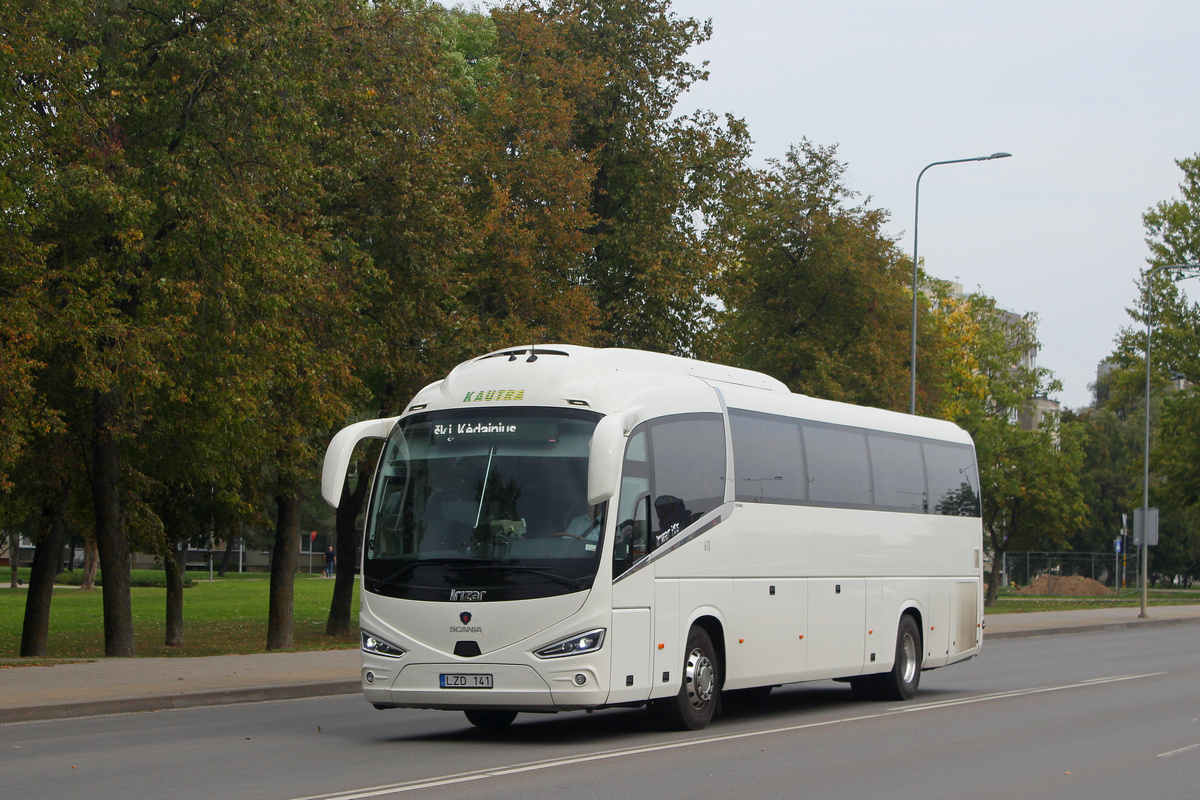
column 492, row 502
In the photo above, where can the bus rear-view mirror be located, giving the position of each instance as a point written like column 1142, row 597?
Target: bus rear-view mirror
column 341, row 448
column 604, row 458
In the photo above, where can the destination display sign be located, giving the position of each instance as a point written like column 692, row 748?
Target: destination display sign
column 476, row 430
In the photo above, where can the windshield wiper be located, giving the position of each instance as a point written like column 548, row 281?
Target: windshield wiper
column 424, row 562
column 570, row 583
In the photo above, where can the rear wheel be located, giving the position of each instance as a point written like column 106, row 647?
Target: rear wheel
column 489, row 719
column 693, row 707
column 901, row 683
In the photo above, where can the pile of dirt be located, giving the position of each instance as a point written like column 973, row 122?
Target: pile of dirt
column 1066, row 586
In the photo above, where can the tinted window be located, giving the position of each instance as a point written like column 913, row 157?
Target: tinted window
column 674, row 472
column 953, row 480
column 898, row 472
column 688, row 457
column 633, row 506
column 839, row 471
column 768, row 462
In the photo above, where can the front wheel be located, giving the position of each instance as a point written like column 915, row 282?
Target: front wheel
column 489, row 719
column 693, row 707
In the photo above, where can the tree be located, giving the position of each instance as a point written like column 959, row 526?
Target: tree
column 659, row 182
column 23, row 412
column 1173, row 226
column 817, row 294
column 1110, row 476
column 53, row 497
column 1030, row 488
column 180, row 185
column 1173, row 237
column 483, row 248
column 1028, row 478
column 528, row 183
column 92, row 286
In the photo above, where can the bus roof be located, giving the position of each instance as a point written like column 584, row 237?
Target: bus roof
column 612, row 380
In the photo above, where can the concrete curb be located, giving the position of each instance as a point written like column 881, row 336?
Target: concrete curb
column 1107, row 626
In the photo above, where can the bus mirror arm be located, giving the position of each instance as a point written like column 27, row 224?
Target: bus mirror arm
column 341, row 448
column 604, row 458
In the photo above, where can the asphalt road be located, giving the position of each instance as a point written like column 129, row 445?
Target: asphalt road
column 1095, row 715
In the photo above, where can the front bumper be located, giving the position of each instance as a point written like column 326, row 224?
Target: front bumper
column 390, row 683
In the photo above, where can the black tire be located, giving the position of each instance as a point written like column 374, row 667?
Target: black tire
column 490, row 720
column 700, row 689
column 901, row 683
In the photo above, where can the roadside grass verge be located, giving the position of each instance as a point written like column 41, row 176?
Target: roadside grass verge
column 1009, row 602
column 219, row 618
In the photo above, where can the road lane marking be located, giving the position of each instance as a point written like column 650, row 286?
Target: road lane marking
column 1177, row 752
column 535, row 766
column 983, row 698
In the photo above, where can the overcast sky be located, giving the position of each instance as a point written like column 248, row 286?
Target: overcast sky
column 1095, row 100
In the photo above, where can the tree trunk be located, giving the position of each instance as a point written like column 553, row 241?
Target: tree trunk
column 14, row 557
column 284, row 559
column 229, row 541
column 993, row 581
column 35, row 632
column 339, row 623
column 174, row 568
column 111, row 543
column 91, row 563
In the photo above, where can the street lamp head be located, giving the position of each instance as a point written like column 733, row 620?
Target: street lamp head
column 1184, row 271
column 912, row 359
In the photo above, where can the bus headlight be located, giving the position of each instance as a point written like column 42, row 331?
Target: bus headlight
column 373, row 644
column 575, row 645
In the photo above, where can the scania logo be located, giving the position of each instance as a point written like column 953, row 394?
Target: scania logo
column 469, row 595
column 465, row 618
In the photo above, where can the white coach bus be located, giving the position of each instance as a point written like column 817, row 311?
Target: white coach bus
column 556, row 527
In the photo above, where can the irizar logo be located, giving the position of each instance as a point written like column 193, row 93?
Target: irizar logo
column 468, row 595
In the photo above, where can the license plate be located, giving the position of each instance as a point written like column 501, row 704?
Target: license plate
column 466, row 681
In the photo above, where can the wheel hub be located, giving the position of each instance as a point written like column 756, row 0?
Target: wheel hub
column 909, row 654
column 700, row 678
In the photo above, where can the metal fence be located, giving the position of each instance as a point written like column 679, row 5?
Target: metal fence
column 1110, row 569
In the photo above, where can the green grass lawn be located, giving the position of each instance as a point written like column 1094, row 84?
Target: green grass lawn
column 219, row 618
column 1009, row 602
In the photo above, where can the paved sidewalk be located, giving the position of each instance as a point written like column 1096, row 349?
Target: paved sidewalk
column 1043, row 623
column 122, row 685
column 115, row 685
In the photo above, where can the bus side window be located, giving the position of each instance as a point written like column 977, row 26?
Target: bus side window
column 673, row 473
column 898, row 472
column 687, row 456
column 632, row 505
column 839, row 467
column 768, row 459
column 953, row 480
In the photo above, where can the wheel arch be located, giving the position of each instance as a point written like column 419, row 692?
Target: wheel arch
column 715, row 629
column 912, row 609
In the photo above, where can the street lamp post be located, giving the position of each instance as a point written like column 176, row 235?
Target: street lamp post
column 912, row 390
column 1144, row 550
